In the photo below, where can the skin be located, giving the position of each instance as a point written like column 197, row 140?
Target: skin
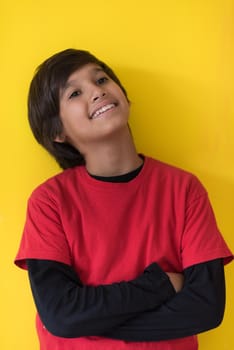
column 105, row 139
column 177, row 280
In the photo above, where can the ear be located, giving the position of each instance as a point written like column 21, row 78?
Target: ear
column 60, row 138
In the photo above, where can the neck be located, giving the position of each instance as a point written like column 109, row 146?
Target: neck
column 113, row 158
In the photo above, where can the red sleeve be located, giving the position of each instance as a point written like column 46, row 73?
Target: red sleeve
column 201, row 240
column 43, row 236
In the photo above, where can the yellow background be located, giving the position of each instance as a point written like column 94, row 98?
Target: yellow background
column 176, row 60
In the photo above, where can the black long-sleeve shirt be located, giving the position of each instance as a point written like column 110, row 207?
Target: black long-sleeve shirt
column 144, row 309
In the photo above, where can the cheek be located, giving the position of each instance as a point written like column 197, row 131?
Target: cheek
column 69, row 116
column 124, row 100
column 75, row 126
column 127, row 107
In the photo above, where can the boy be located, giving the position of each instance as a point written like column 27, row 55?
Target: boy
column 122, row 250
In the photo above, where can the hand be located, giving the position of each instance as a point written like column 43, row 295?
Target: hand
column 177, row 280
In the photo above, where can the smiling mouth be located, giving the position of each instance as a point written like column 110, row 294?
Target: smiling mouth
column 102, row 110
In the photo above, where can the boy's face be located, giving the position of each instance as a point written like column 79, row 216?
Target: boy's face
column 92, row 107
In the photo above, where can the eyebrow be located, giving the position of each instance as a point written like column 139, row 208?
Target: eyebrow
column 71, row 83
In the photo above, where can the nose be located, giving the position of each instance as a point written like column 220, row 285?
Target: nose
column 98, row 94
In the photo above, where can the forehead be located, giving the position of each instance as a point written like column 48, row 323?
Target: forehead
column 88, row 70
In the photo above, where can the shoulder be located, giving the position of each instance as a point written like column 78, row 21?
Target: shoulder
column 174, row 178
column 57, row 186
column 167, row 169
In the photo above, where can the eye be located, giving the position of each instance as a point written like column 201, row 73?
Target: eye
column 75, row 94
column 102, row 80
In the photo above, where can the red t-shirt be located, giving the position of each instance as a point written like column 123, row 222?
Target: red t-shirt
column 109, row 232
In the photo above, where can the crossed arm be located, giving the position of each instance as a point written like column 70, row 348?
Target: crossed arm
column 154, row 306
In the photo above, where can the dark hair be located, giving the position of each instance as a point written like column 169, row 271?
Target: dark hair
column 43, row 101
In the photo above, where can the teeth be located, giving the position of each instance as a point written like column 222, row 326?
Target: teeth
column 102, row 110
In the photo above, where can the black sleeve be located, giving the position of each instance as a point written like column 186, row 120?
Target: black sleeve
column 69, row 309
column 198, row 307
